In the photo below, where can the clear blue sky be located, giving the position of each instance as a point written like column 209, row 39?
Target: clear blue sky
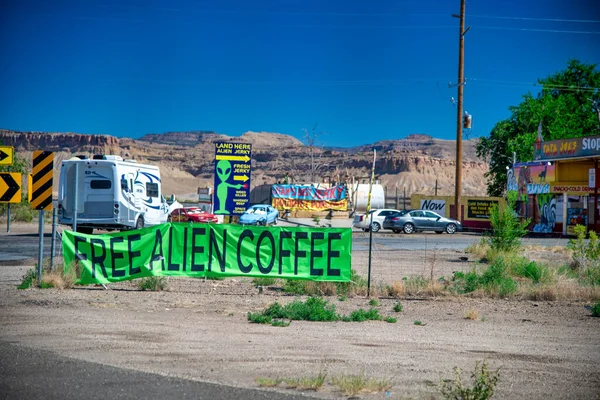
column 363, row 70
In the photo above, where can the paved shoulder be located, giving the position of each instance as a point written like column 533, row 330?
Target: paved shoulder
column 27, row 373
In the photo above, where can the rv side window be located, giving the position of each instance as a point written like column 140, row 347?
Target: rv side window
column 100, row 184
column 152, row 189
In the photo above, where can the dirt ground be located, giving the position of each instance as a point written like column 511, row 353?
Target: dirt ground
column 199, row 330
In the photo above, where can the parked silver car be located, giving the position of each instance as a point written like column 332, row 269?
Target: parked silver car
column 421, row 220
column 363, row 221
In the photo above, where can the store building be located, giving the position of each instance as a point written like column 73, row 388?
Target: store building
column 559, row 190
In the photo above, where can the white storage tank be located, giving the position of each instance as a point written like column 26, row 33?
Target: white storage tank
column 360, row 195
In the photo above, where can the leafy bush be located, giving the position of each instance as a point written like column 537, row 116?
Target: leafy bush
column 28, row 279
column 398, row 307
column 483, row 380
column 294, row 286
column 586, row 253
column 507, row 230
column 314, row 309
column 153, row 283
column 530, row 269
column 595, row 309
column 373, row 303
column 494, row 280
column 361, row 315
column 591, row 276
column 391, row 320
column 259, row 318
column 465, row 282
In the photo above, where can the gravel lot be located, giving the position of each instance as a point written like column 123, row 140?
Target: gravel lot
column 199, row 330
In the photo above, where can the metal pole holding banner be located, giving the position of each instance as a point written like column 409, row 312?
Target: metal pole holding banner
column 75, row 197
column 370, row 222
column 41, row 251
column 52, row 245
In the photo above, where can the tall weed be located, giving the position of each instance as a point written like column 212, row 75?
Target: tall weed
column 507, row 229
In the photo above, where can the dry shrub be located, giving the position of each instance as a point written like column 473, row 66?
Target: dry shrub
column 479, row 250
column 472, row 314
column 357, row 291
column 58, row 279
column 539, row 293
column 570, row 289
column 415, row 286
column 396, row 289
column 327, row 288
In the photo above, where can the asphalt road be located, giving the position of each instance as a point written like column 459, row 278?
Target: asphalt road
column 18, row 247
column 27, row 373
column 431, row 240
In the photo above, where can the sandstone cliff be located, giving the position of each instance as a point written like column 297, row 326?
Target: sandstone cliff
column 186, row 159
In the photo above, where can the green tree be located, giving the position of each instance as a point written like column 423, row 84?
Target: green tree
column 567, row 106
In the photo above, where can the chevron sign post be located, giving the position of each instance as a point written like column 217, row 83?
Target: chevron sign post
column 41, row 195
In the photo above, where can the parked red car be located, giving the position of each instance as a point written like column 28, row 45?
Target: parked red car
column 193, row 214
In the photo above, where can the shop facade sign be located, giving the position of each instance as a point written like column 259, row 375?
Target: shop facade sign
column 567, row 148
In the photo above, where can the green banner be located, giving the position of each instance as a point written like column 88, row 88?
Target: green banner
column 182, row 249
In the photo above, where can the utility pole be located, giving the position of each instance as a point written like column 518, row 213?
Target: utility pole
column 459, row 106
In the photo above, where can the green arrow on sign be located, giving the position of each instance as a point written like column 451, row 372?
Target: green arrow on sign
column 233, row 158
column 242, row 178
column 12, row 187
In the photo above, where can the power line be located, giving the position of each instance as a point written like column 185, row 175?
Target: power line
column 590, row 21
column 535, row 30
column 501, row 83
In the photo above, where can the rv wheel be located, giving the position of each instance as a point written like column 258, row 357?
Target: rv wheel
column 139, row 223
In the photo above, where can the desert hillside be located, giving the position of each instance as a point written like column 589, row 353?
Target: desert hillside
column 186, row 159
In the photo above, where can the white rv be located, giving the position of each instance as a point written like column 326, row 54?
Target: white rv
column 108, row 192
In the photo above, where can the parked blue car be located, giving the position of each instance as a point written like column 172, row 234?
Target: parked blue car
column 260, row 214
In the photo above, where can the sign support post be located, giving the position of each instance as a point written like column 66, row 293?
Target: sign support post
column 41, row 251
column 53, row 243
column 8, row 212
column 41, row 197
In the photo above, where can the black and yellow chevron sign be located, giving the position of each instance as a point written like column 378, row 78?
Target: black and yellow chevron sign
column 43, row 164
column 10, row 187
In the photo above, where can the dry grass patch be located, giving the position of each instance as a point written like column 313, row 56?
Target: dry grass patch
column 351, row 385
column 479, row 250
column 396, row 289
column 268, row 382
column 570, row 289
column 472, row 314
column 306, row 383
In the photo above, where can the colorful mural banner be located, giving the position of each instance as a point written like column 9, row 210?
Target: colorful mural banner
column 531, row 178
column 310, row 193
column 315, row 205
column 567, row 148
column 210, row 250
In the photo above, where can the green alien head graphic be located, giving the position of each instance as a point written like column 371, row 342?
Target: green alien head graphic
column 224, row 172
